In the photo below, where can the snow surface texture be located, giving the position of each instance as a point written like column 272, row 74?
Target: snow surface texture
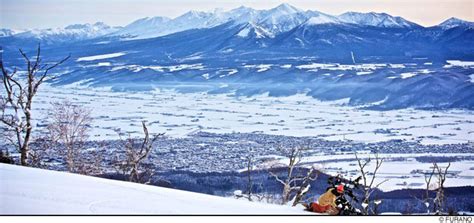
column 36, row 191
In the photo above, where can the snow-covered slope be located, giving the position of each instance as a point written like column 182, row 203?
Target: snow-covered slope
column 376, row 19
column 34, row 191
column 321, row 19
column 255, row 31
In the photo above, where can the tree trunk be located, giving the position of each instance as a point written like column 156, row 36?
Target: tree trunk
column 286, row 193
column 26, row 141
column 24, row 155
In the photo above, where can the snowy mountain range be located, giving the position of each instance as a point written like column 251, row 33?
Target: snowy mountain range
column 376, row 19
column 272, row 22
column 366, row 57
column 74, row 32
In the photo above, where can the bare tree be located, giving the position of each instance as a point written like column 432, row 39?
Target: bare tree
column 292, row 183
column 69, row 127
column 311, row 175
column 249, row 177
column 437, row 202
column 135, row 153
column 440, row 199
column 368, row 182
column 17, row 99
column 426, row 198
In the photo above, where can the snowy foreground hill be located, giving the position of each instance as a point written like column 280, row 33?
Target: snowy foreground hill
column 34, row 191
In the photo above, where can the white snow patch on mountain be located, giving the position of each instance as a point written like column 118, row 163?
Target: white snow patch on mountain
column 179, row 67
column 321, row 19
column 363, row 73
column 37, row 191
column 316, row 65
column 244, row 32
column 100, row 57
column 407, row 75
column 459, row 63
column 263, row 67
column 137, row 68
column 232, row 71
column 259, row 67
column 104, row 64
column 396, row 65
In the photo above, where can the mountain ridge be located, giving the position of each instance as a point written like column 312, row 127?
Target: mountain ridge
column 281, row 18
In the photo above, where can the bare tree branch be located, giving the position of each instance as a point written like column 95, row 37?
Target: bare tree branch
column 132, row 164
column 18, row 98
column 368, row 184
column 293, row 184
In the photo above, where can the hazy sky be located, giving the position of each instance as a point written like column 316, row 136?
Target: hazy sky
column 24, row 14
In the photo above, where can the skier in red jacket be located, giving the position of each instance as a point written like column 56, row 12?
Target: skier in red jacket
column 327, row 201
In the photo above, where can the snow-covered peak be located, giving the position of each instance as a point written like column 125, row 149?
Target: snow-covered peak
column 282, row 18
column 376, row 19
column 6, row 32
column 455, row 22
column 285, row 9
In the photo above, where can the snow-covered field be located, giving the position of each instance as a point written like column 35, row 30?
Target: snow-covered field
column 400, row 171
column 34, row 191
column 179, row 114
